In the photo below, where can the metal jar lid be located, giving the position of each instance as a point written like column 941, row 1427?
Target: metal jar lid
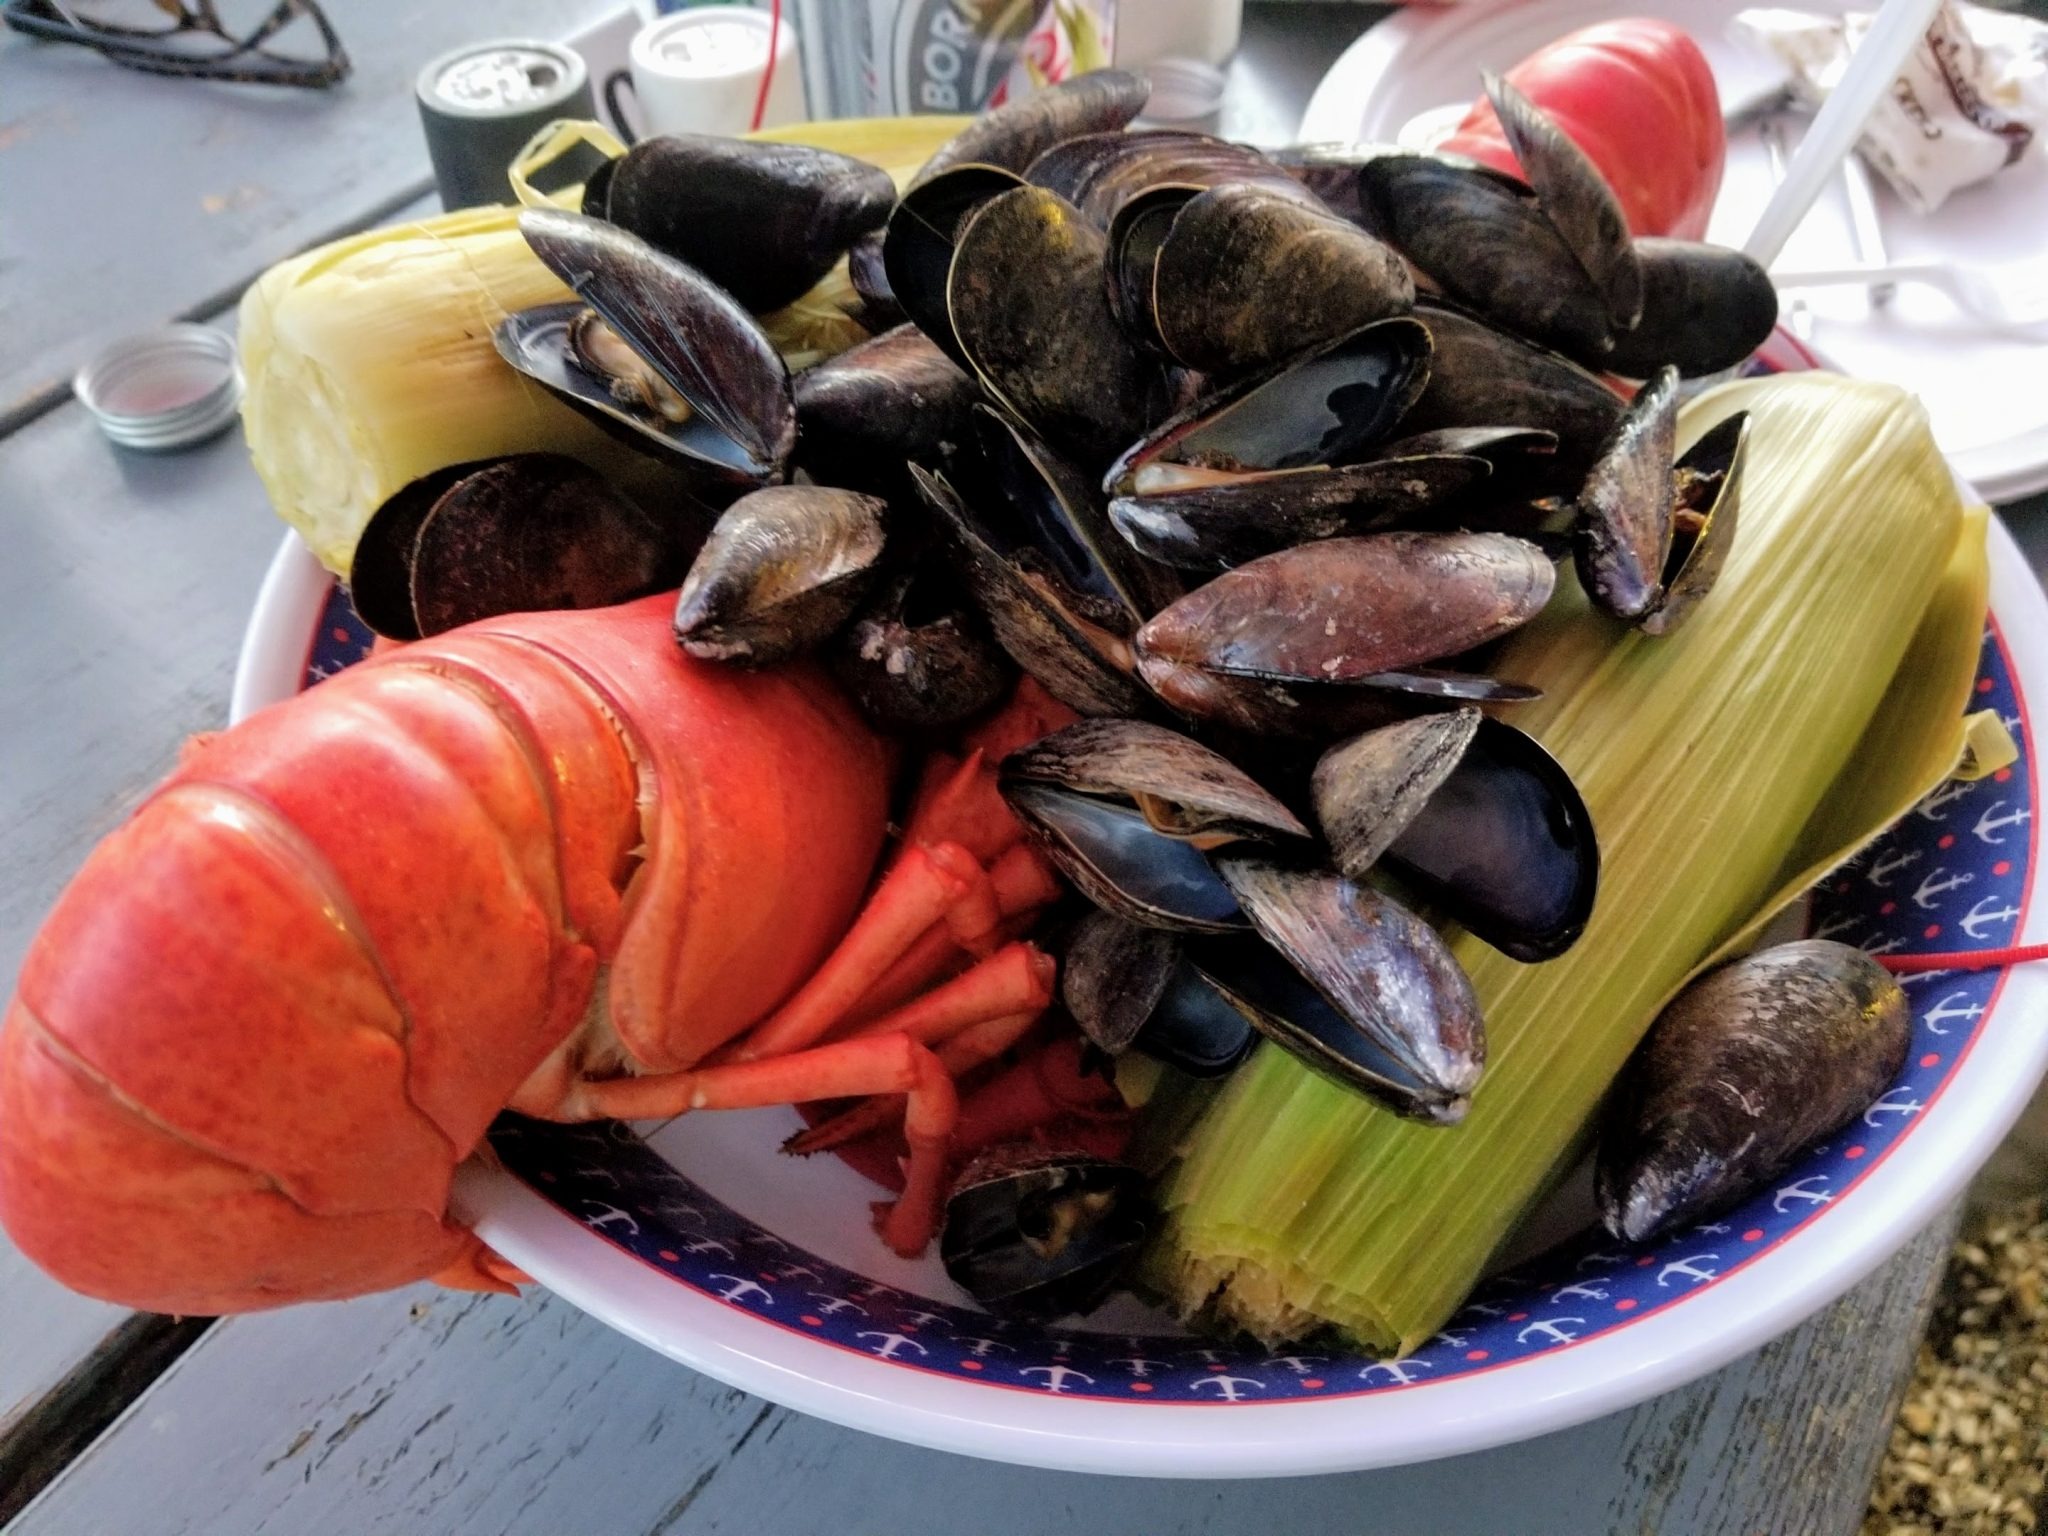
column 163, row 389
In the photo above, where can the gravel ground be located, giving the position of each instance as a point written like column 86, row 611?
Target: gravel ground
column 1969, row 1453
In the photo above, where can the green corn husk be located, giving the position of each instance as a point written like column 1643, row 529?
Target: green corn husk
column 1727, row 766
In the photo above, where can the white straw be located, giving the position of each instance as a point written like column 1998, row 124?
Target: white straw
column 1898, row 26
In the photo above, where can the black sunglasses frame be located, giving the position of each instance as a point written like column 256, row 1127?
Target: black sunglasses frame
column 153, row 50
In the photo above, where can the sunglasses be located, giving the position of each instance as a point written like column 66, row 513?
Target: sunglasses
column 192, row 41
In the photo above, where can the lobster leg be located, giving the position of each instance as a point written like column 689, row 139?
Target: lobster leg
column 919, row 890
column 870, row 1064
column 1015, row 979
column 974, row 1046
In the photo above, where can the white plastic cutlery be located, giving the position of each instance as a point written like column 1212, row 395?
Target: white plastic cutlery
column 2014, row 296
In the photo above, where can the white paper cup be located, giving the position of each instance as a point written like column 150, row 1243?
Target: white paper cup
column 699, row 71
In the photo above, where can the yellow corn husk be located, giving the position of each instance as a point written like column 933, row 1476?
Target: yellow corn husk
column 369, row 361
column 1807, row 703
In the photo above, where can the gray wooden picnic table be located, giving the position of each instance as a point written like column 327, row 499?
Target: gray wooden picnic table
column 126, row 201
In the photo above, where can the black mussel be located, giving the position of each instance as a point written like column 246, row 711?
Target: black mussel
column 1128, row 810
column 531, row 532
column 1026, row 299
column 1480, row 376
column 1353, row 984
column 720, row 397
column 861, row 413
column 1131, row 988
column 380, row 572
column 1238, row 518
column 762, row 220
column 1484, row 239
column 1101, row 173
column 1709, row 477
column 1575, row 198
column 1132, row 256
column 1245, row 277
column 919, row 242
column 784, row 567
column 1324, row 407
column 1628, row 507
column 1518, row 459
column 1505, row 846
column 1349, row 610
column 1181, row 788
column 1744, row 1068
column 1368, row 788
column 1072, row 636
column 915, row 658
column 1330, row 171
column 1653, row 534
column 1035, row 1233
column 1318, row 713
column 879, row 310
column 1014, row 135
column 1705, row 309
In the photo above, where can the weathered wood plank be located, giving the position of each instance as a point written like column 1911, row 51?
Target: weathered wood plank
column 131, row 198
column 465, row 1416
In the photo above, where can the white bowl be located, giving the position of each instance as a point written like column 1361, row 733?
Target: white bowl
column 761, row 1270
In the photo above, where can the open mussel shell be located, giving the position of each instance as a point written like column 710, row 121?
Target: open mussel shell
column 1346, row 610
column 1353, row 984
column 915, row 657
column 1367, row 789
column 1505, row 846
column 1132, row 256
column 1180, row 787
column 1628, row 507
column 762, row 220
column 1320, row 713
column 919, row 241
column 879, row 310
column 1575, row 198
column 1483, row 238
column 1320, row 408
column 1518, row 459
column 1479, row 376
column 1026, row 299
column 1246, row 276
column 784, row 567
column 1709, row 478
column 380, row 572
column 1744, row 1068
column 694, row 336
column 1133, row 988
column 1077, row 646
column 1705, row 309
column 1036, row 1233
column 1017, row 133
column 1117, row 859
column 1215, row 526
column 1101, row 173
column 862, row 412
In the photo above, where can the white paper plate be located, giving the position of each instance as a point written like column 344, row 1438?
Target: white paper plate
column 1986, row 392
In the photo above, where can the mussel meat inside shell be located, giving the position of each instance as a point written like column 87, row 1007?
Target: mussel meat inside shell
column 762, row 220
column 1748, row 1065
column 1132, row 988
column 1353, row 984
column 1036, row 1234
column 915, row 658
column 1014, row 135
column 1628, row 508
column 677, row 327
column 1709, row 496
column 784, row 568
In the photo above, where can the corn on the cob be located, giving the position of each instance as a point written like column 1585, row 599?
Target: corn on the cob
column 1721, row 764
column 369, row 360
